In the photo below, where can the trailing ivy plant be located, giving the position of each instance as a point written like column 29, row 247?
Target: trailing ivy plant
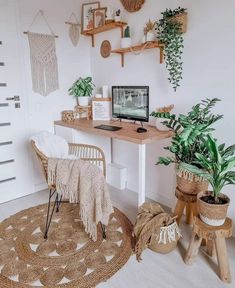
column 177, row 11
column 190, row 131
column 170, row 34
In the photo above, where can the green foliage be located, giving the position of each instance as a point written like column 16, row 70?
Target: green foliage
column 82, row 87
column 190, row 131
column 127, row 32
column 170, row 34
column 177, row 11
column 217, row 166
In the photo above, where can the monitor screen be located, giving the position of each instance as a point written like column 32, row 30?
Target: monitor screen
column 130, row 102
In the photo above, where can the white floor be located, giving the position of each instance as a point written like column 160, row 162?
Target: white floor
column 155, row 270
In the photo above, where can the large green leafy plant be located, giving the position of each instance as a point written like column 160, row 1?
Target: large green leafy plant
column 190, row 131
column 170, row 34
column 217, row 166
column 82, row 87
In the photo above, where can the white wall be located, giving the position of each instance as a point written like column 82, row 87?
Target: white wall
column 209, row 71
column 72, row 63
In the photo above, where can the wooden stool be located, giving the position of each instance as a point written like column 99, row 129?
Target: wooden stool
column 188, row 201
column 215, row 235
column 84, row 109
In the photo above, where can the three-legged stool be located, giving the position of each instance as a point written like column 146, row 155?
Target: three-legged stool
column 188, row 202
column 215, row 236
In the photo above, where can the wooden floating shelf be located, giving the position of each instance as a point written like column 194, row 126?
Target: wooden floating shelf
column 139, row 48
column 104, row 28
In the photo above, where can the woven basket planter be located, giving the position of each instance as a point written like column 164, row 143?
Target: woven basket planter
column 189, row 183
column 181, row 18
column 167, row 240
column 68, row 115
column 212, row 214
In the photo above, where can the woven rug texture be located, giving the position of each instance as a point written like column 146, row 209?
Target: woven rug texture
column 69, row 258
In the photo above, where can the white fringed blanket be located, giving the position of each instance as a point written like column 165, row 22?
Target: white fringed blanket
column 80, row 181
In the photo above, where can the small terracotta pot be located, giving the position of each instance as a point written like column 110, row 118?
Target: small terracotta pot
column 212, row 214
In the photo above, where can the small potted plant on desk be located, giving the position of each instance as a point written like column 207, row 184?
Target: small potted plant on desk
column 190, row 131
column 217, row 168
column 82, row 90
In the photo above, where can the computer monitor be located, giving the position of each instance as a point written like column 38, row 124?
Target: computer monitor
column 130, row 102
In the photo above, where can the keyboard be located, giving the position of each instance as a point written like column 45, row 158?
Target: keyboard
column 108, row 127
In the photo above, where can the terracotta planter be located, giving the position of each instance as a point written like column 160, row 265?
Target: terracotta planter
column 212, row 214
column 188, row 182
column 165, row 248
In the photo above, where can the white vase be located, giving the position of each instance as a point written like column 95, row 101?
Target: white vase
column 125, row 42
column 150, row 36
column 105, row 90
column 83, row 100
column 117, row 18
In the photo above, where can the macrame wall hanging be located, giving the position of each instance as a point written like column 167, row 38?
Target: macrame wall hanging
column 44, row 67
column 132, row 5
column 74, row 31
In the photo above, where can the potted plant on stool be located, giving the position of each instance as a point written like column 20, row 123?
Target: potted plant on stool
column 82, row 90
column 217, row 166
column 190, row 131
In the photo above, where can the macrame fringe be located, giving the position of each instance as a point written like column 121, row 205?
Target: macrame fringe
column 187, row 175
column 90, row 228
column 168, row 234
column 44, row 65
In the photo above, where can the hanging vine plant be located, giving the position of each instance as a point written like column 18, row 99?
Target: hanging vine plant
column 170, row 33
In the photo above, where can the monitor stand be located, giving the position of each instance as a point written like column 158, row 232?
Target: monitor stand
column 141, row 129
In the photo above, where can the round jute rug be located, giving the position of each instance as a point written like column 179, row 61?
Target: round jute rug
column 69, row 258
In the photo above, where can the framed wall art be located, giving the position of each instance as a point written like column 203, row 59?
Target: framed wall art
column 99, row 16
column 87, row 15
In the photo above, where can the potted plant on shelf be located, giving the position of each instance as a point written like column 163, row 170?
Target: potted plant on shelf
column 82, row 90
column 126, row 40
column 178, row 15
column 117, row 16
column 190, row 131
column 169, row 32
column 217, row 168
column 149, row 31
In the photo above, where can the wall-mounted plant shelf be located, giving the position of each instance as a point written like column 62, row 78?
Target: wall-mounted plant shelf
column 139, row 48
column 106, row 27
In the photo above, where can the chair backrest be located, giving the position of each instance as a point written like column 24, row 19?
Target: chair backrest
column 90, row 153
column 41, row 157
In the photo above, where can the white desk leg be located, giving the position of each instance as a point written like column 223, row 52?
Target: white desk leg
column 141, row 174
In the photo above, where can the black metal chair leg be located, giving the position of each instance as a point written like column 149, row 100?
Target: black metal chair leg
column 49, row 216
column 103, row 230
column 58, row 202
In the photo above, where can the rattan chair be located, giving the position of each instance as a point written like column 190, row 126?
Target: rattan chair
column 85, row 152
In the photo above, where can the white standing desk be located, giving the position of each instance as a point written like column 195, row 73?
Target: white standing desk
column 127, row 133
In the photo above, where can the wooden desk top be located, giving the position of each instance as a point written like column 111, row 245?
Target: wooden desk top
column 127, row 133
